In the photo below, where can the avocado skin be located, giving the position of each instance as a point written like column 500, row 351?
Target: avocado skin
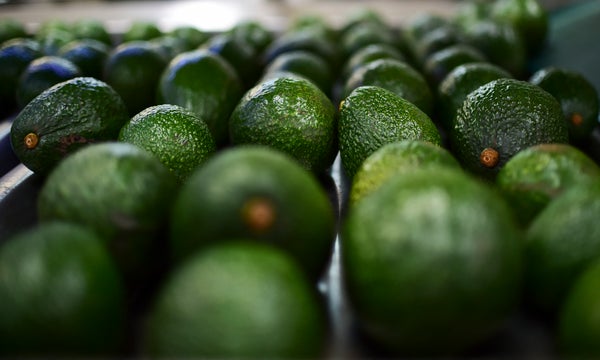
column 371, row 117
column 65, row 118
column 463, row 79
column 290, row 114
column 575, row 94
column 205, row 83
column 507, row 115
column 121, row 192
column 394, row 243
column 214, row 198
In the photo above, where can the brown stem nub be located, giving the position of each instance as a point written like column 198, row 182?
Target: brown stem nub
column 31, row 140
column 259, row 214
column 489, row 157
column 576, row 119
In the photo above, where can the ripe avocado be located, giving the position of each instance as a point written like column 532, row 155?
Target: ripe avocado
column 441, row 62
column 429, row 251
column 500, row 43
column 236, row 300
column 459, row 82
column 133, row 69
column 561, row 242
column 501, row 118
column 397, row 158
column 578, row 99
column 537, row 175
column 62, row 295
column 528, row 17
column 205, row 83
column 579, row 327
column 15, row 55
column 371, row 117
column 65, row 117
column 175, row 135
column 41, row 74
column 88, row 54
column 369, row 53
column 304, row 39
column 239, row 54
column 398, row 77
column 304, row 63
column 290, row 114
column 121, row 192
column 259, row 194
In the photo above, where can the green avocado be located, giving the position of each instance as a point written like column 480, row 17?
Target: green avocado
column 371, row 117
column 63, row 118
column 501, row 118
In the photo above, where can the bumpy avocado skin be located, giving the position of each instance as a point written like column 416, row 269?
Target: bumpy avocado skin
column 506, row 115
column 64, row 118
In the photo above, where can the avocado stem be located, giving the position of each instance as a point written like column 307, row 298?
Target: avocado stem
column 31, row 140
column 489, row 157
column 259, row 214
column 576, row 119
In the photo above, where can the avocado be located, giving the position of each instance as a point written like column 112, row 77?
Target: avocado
column 371, row 117
column 12, row 29
column 15, row 55
column 241, row 55
column 290, row 114
column 500, row 43
column 560, row 244
column 395, row 159
column 190, row 36
column 529, row 17
column 205, row 83
column 459, row 82
column 439, row 64
column 398, row 77
column 92, row 29
column 64, row 118
column 123, row 194
column 141, row 30
column 437, row 39
column 578, row 325
column 133, row 70
column 369, row 53
column 236, row 300
column 364, row 34
column 304, row 39
column 41, row 74
column 577, row 96
column 537, row 175
column 88, row 54
column 431, row 250
column 62, row 295
column 501, row 118
column 175, row 135
column 304, row 63
column 259, row 194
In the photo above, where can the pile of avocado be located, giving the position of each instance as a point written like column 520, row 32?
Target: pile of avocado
column 196, row 189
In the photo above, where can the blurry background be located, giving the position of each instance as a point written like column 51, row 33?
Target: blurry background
column 572, row 38
column 216, row 15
